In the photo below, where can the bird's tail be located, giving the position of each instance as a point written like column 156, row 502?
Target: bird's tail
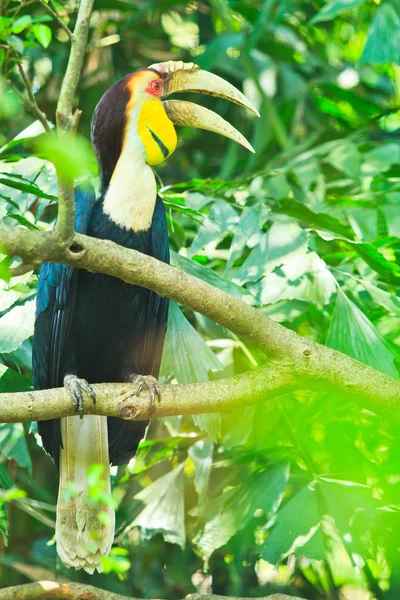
column 85, row 513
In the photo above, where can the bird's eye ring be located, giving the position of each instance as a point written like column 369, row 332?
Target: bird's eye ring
column 156, row 87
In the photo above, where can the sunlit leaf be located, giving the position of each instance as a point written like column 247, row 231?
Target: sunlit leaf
column 42, row 34
column 16, row 326
column 21, row 23
column 278, row 246
column 164, row 508
column 352, row 333
column 251, row 221
column 13, row 445
column 221, row 220
column 304, row 278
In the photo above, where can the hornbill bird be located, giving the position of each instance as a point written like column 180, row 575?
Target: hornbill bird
column 96, row 328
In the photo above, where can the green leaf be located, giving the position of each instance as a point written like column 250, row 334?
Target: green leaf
column 251, row 221
column 16, row 44
column 12, row 381
column 352, row 333
column 305, row 278
column 187, row 357
column 315, row 220
column 346, row 157
column 16, row 326
column 209, row 276
column 221, row 220
column 334, row 8
column 13, row 445
column 73, row 157
column 383, row 43
column 21, row 23
column 297, row 522
column 202, row 455
column 345, row 499
column 43, row 34
column 278, row 246
column 164, row 508
column 389, row 301
column 5, row 480
column 235, row 507
column 28, row 188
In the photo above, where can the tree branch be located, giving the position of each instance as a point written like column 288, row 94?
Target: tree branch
column 120, row 400
column 53, row 590
column 309, row 365
column 57, row 18
column 67, row 118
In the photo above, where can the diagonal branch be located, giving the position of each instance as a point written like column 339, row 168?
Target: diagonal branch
column 30, row 100
column 57, row 18
column 312, row 365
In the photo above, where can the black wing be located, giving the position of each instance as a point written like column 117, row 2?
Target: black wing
column 124, row 436
column 54, row 310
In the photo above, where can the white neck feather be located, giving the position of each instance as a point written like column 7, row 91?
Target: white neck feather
column 131, row 196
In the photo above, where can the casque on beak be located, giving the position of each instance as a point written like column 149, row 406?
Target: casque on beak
column 188, row 77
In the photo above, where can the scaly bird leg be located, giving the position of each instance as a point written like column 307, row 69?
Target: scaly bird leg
column 75, row 385
column 150, row 382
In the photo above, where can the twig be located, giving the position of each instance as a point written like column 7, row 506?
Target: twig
column 57, row 18
column 31, row 100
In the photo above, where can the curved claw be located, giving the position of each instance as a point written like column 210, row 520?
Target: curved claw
column 75, row 385
column 150, row 382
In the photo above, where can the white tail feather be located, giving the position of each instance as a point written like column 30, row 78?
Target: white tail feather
column 82, row 537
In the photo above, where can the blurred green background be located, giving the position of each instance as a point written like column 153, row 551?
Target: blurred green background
column 301, row 495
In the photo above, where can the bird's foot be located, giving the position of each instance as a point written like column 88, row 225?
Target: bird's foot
column 75, row 385
column 150, row 382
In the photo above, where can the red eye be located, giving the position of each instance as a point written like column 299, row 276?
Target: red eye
column 155, row 87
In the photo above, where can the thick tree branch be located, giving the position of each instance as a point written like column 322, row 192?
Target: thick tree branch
column 53, row 590
column 67, row 118
column 310, row 365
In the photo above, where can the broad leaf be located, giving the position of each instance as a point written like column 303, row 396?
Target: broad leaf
column 383, row 43
column 220, row 221
column 251, row 221
column 278, row 246
column 352, row 333
column 232, row 511
column 16, row 326
column 334, row 8
column 187, row 357
column 164, row 508
column 304, row 278
column 296, row 524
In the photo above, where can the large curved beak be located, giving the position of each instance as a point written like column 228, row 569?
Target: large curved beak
column 188, row 77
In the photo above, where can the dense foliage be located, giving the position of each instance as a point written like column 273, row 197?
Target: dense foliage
column 302, row 495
